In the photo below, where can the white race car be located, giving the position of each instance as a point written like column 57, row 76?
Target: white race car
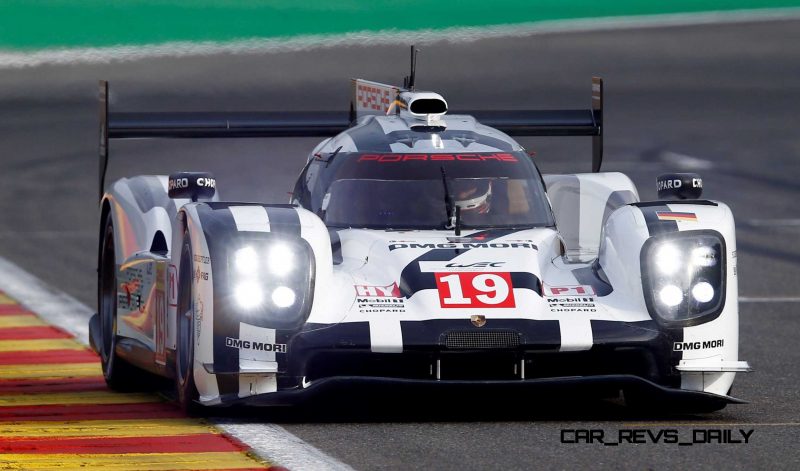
column 421, row 251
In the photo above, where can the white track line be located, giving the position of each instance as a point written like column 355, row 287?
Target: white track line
column 269, row 441
column 98, row 55
column 54, row 305
column 281, row 446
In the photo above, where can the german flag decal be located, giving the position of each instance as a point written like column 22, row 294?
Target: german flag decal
column 673, row 216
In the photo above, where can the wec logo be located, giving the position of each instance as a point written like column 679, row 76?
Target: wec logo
column 475, row 265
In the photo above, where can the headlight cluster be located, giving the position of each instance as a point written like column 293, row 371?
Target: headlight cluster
column 271, row 278
column 683, row 274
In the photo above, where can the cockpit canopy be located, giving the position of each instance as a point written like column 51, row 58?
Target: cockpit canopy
column 411, row 191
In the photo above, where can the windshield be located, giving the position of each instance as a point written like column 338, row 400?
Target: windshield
column 408, row 191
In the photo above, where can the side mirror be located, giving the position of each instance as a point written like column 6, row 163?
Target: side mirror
column 194, row 185
column 680, row 186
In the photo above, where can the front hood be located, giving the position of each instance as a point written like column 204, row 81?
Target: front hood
column 419, row 275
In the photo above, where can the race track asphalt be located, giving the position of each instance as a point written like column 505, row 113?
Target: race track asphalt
column 727, row 95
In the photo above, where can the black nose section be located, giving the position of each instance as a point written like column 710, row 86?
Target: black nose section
column 680, row 186
column 194, row 185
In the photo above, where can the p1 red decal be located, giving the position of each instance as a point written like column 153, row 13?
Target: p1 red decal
column 574, row 290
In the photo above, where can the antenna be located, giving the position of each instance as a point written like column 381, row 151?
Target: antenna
column 408, row 81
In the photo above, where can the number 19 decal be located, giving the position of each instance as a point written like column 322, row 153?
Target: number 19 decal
column 471, row 289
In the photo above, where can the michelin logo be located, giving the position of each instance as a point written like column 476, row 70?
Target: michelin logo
column 683, row 346
column 248, row 345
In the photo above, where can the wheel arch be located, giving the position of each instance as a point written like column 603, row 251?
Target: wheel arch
column 188, row 221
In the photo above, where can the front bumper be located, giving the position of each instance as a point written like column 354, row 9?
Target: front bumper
column 511, row 349
column 337, row 361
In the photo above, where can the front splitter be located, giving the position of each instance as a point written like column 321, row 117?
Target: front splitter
column 540, row 388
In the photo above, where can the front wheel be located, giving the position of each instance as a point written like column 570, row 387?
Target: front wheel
column 186, row 390
column 118, row 373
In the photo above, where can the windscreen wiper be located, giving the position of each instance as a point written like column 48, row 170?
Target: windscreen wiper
column 452, row 209
column 332, row 156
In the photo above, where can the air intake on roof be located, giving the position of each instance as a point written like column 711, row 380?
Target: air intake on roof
column 422, row 105
column 428, row 106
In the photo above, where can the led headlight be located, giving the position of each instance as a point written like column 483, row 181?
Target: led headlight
column 248, row 294
column 245, row 261
column 667, row 258
column 683, row 276
column 703, row 256
column 271, row 280
column 280, row 259
column 703, row 292
column 283, row 296
column 670, row 295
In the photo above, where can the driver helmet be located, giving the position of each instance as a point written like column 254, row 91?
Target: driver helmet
column 473, row 195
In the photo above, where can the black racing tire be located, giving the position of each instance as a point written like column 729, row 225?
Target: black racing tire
column 118, row 373
column 185, row 388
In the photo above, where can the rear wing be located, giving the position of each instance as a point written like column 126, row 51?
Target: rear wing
column 368, row 98
column 115, row 125
column 588, row 122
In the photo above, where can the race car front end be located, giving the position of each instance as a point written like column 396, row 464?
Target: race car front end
column 424, row 251
column 501, row 312
column 651, row 312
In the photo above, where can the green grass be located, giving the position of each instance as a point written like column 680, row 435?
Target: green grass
column 37, row 24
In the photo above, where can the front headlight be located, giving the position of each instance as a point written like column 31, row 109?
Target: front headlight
column 248, row 294
column 683, row 276
column 271, row 280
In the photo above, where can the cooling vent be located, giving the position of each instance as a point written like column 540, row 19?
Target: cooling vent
column 471, row 339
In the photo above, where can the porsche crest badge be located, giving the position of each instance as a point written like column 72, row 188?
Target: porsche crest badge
column 478, row 320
